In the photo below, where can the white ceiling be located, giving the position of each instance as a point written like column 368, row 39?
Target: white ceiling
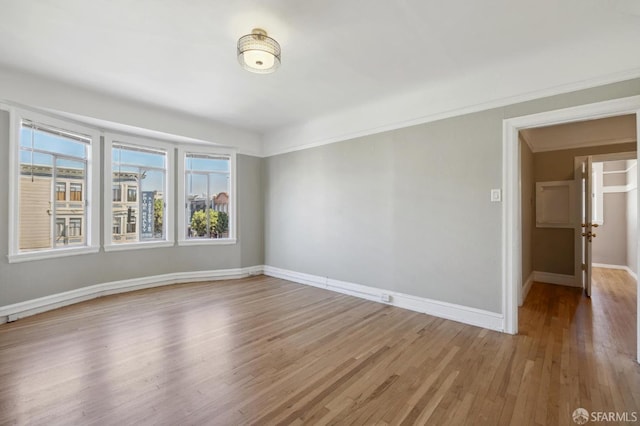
column 603, row 131
column 338, row 55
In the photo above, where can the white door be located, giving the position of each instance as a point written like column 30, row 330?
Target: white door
column 587, row 224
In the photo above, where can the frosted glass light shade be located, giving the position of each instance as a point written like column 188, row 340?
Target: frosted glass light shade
column 258, row 53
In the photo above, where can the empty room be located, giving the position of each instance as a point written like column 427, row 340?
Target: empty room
column 282, row 212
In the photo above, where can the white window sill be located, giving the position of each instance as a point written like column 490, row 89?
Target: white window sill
column 138, row 245
column 51, row 254
column 207, row 242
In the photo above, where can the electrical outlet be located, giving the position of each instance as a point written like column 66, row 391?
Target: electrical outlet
column 496, row 195
column 385, row 297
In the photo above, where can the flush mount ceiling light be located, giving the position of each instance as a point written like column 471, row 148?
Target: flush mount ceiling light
column 258, row 53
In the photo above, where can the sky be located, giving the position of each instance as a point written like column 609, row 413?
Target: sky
column 128, row 160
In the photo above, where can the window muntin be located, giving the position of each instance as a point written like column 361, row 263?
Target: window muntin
column 49, row 159
column 139, row 177
column 208, row 196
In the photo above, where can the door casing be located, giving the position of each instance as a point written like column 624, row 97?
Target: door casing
column 511, row 214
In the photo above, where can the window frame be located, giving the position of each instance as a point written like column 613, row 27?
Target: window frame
column 168, row 220
column 183, row 150
column 91, row 196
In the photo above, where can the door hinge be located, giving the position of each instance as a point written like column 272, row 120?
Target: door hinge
column 584, row 266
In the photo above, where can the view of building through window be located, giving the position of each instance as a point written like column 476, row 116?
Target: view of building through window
column 138, row 185
column 207, row 191
column 53, row 173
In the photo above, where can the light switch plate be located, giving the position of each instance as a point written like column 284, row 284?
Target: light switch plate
column 496, row 195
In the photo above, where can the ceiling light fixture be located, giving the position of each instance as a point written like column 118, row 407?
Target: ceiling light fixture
column 258, row 53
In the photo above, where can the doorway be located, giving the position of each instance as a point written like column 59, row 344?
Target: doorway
column 512, row 219
column 608, row 201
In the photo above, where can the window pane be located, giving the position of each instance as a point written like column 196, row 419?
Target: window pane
column 197, row 223
column 132, row 194
column 138, row 182
column 72, row 209
column 43, row 140
column 51, row 166
column 208, row 196
column 61, row 191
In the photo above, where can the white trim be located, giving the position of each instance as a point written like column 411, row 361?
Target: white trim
column 51, row 254
column 559, row 279
column 511, row 226
column 511, row 216
column 169, row 185
column 47, row 303
column 138, row 245
column 619, row 188
column 182, row 194
column 91, row 192
column 525, row 289
column 451, row 311
column 208, row 242
column 295, row 137
column 577, row 145
column 621, row 267
column 627, row 170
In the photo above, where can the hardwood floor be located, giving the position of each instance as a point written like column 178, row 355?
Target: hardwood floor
column 266, row 351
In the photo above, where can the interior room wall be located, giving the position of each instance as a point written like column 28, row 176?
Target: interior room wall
column 632, row 216
column 610, row 245
column 527, row 198
column 406, row 209
column 554, row 248
column 29, row 280
column 409, row 209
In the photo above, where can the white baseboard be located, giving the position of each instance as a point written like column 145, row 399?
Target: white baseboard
column 622, row 267
column 551, row 278
column 459, row 313
column 525, row 289
column 47, row 303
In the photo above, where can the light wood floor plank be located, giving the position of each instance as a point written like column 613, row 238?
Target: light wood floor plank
column 265, row 351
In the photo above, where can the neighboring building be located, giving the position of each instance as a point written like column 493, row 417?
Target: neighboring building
column 221, row 202
column 125, row 199
column 61, row 206
column 46, row 205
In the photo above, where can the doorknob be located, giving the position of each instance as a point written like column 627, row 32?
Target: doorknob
column 595, row 225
